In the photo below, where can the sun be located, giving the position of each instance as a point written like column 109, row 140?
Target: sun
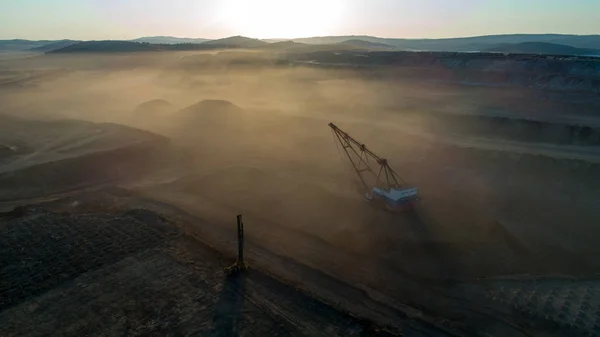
column 281, row 19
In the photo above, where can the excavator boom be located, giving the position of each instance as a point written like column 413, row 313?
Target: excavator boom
column 388, row 186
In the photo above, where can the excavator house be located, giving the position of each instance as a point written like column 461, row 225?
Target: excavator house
column 388, row 188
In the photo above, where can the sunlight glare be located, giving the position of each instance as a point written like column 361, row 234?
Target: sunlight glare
column 282, row 19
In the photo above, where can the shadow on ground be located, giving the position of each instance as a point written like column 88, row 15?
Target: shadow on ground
column 230, row 307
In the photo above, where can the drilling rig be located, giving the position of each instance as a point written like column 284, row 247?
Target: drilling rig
column 388, row 188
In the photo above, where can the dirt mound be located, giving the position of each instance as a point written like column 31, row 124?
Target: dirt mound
column 212, row 111
column 6, row 151
column 68, row 154
column 112, row 166
column 216, row 123
column 53, row 139
column 153, row 107
column 152, row 115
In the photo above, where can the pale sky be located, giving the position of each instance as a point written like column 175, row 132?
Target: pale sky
column 128, row 19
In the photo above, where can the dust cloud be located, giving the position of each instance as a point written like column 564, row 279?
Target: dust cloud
column 247, row 134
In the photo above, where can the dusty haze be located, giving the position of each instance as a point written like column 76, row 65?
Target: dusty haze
column 264, row 137
column 508, row 187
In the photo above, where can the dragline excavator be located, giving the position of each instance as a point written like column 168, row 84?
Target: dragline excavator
column 388, row 188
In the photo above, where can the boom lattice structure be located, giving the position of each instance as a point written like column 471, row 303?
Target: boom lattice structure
column 387, row 186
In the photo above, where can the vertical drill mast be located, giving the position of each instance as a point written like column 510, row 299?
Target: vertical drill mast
column 240, row 230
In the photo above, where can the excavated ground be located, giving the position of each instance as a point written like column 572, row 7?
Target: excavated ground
column 134, row 272
column 503, row 243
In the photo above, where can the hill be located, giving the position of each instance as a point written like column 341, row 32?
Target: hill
column 168, row 40
column 574, row 74
column 296, row 47
column 111, row 46
column 108, row 47
column 350, row 45
column 542, row 48
column 54, row 45
column 283, row 45
column 476, row 43
column 131, row 47
column 237, row 42
column 330, row 45
column 21, row 45
column 50, row 45
column 366, row 44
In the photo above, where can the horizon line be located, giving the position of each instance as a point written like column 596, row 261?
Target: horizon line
column 304, row 37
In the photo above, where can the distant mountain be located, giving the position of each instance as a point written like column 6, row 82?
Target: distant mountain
column 465, row 44
column 541, row 48
column 568, row 74
column 168, row 40
column 578, row 41
column 296, row 47
column 291, row 46
column 283, row 45
column 108, row 47
column 130, row 47
column 338, row 39
column 21, row 45
column 358, row 45
column 476, row 43
column 366, row 44
column 54, row 46
column 275, row 40
column 237, row 42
